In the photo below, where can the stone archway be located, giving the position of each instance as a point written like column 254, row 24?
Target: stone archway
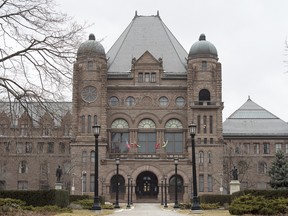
column 146, row 185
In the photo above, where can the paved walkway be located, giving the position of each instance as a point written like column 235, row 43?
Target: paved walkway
column 146, row 209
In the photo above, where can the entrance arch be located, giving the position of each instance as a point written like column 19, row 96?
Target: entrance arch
column 121, row 186
column 146, row 185
column 180, row 187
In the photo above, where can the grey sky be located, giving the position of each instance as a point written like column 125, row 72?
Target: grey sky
column 249, row 36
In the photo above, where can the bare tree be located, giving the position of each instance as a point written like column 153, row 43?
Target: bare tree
column 37, row 48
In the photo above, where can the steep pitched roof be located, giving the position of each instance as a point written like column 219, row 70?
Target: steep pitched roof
column 253, row 120
column 35, row 110
column 147, row 33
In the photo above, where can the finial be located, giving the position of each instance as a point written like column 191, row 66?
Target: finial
column 249, row 97
column 202, row 37
column 158, row 13
column 91, row 37
column 136, row 13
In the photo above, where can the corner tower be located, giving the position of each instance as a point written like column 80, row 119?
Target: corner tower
column 89, row 105
column 204, row 91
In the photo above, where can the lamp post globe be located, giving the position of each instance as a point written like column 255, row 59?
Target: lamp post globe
column 96, row 204
column 195, row 200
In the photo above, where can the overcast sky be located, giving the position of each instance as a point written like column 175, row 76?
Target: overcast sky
column 249, row 36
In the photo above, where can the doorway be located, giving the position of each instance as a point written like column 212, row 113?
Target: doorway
column 146, row 186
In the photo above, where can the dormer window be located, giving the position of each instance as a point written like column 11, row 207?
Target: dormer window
column 140, row 77
column 147, row 77
column 47, row 130
column 153, row 77
column 24, row 130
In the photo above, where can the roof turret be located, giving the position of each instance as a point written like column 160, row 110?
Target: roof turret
column 203, row 48
column 90, row 47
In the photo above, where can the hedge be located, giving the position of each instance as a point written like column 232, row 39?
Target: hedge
column 39, row 198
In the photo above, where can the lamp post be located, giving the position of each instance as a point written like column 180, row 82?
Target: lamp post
column 73, row 184
column 96, row 205
column 195, row 202
column 117, row 160
column 162, row 202
column 165, row 193
column 176, row 205
column 128, row 199
column 131, row 187
column 83, row 173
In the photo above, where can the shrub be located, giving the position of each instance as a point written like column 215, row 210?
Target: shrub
column 209, row 206
column 259, row 205
column 215, row 198
column 204, row 206
column 11, row 202
column 107, row 206
column 73, row 198
column 85, row 203
column 185, row 205
column 39, row 198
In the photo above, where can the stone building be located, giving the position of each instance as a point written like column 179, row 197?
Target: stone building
column 144, row 93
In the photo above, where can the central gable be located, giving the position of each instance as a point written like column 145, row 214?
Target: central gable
column 147, row 58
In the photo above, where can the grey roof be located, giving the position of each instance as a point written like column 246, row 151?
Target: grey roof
column 36, row 110
column 147, row 33
column 253, row 120
column 203, row 47
column 90, row 47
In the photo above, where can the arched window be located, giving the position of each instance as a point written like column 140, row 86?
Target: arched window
column 130, row 101
column 146, row 142
column 163, row 101
column 204, row 95
column 180, row 184
column 173, row 123
column 120, row 123
column 23, row 167
column 92, row 184
column 84, row 182
column 180, row 101
column 92, row 156
column 174, row 137
column 262, row 168
column 113, row 101
column 95, row 120
column 121, row 184
column 89, row 124
column 84, row 157
column 201, row 157
column 120, row 142
column 209, row 157
column 243, row 167
column 83, row 124
column 146, row 123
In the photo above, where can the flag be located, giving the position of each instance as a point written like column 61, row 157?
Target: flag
column 127, row 144
column 164, row 144
column 157, row 145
